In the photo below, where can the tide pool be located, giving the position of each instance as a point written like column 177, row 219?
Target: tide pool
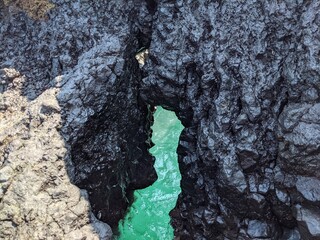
column 148, row 217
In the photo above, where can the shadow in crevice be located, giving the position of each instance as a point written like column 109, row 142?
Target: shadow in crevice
column 109, row 151
column 111, row 155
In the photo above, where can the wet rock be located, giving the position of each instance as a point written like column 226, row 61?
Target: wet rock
column 258, row 229
column 291, row 234
column 301, row 131
column 243, row 71
column 308, row 219
column 309, row 188
column 283, row 196
column 242, row 76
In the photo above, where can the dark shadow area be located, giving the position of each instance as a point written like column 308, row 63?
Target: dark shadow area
column 111, row 155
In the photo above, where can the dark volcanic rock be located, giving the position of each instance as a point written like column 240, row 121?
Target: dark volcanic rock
column 244, row 79
column 108, row 153
column 242, row 76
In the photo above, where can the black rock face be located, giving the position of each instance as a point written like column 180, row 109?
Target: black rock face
column 109, row 149
column 244, row 80
column 111, row 152
column 242, row 76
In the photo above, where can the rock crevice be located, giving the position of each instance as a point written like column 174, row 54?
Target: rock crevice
column 243, row 78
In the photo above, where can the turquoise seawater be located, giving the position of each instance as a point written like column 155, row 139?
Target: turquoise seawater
column 148, row 217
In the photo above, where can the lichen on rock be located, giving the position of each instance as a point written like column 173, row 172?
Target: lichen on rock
column 36, row 9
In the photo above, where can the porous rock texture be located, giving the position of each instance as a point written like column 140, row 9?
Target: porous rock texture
column 242, row 76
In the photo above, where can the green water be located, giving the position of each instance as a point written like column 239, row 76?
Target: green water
column 148, row 217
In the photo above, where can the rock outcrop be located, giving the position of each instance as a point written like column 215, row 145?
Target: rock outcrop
column 71, row 117
column 244, row 79
column 38, row 201
column 75, row 108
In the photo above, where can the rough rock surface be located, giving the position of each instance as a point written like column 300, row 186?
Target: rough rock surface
column 242, row 76
column 70, row 114
column 38, row 201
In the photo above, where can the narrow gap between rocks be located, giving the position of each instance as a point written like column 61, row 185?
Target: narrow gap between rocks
column 148, row 217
